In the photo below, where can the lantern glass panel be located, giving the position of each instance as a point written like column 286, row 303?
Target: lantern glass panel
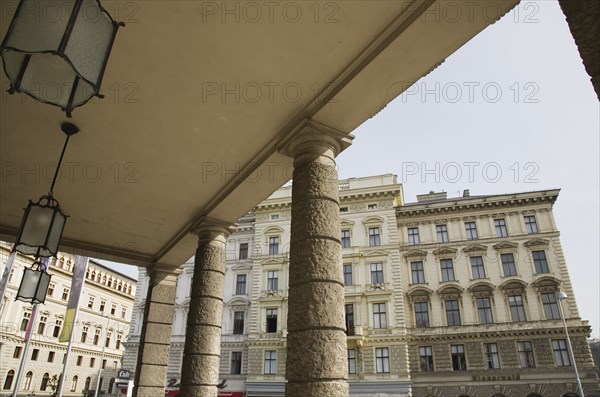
column 29, row 284
column 41, row 231
column 42, row 289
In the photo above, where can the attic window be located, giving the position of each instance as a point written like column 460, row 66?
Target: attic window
column 372, row 206
column 275, row 217
column 343, row 209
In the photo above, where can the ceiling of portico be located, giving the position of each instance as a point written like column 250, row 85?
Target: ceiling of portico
column 195, row 94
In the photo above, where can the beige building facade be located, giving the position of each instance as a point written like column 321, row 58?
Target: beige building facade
column 481, row 276
column 105, row 291
column 443, row 297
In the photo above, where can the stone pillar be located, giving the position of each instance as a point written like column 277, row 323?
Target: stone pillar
column 201, row 354
column 316, row 343
column 583, row 18
column 155, row 338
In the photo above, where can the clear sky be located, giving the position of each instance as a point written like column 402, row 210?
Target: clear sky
column 511, row 111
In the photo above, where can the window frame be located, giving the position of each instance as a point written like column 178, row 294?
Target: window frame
column 238, row 323
column 347, row 274
column 235, row 367
column 377, row 275
column 417, row 274
column 550, row 306
column 441, row 232
column 351, row 361
column 458, row 357
column 382, row 360
column 274, row 242
column 452, row 309
column 484, row 310
column 447, row 271
column 492, row 356
column 345, row 238
column 540, row 261
column 501, row 227
column 422, row 319
column 508, row 264
column 241, row 283
column 517, row 308
column 426, row 359
column 272, row 280
column 270, row 359
column 477, row 268
column 531, row 226
column 471, row 230
column 379, row 315
column 374, row 236
column 561, row 353
column 243, row 251
column 413, row 236
column 526, row 355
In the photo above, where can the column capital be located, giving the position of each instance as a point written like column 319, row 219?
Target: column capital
column 163, row 272
column 208, row 228
column 313, row 139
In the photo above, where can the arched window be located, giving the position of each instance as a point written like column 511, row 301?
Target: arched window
column 28, row 379
column 45, row 380
column 104, row 279
column 100, row 384
column 111, row 384
column 10, row 376
column 88, row 380
column 74, row 383
column 129, row 289
column 110, row 280
column 120, row 288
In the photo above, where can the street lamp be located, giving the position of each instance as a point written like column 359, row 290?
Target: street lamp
column 34, row 284
column 561, row 297
column 102, row 355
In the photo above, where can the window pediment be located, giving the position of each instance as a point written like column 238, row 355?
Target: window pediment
column 513, row 287
column 373, row 221
column 419, row 294
column 537, row 243
column 450, row 291
column 346, row 224
column 546, row 284
column 238, row 267
column 482, row 289
column 415, row 253
column 506, row 246
column 238, row 301
column 273, row 231
column 445, row 252
column 373, row 253
column 475, row 249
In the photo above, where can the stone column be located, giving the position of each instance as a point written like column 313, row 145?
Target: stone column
column 316, row 343
column 201, row 354
column 155, row 338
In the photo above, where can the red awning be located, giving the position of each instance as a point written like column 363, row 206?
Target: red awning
column 230, row 394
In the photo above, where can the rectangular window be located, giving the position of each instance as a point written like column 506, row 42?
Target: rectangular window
column 382, row 358
column 275, row 217
column 452, row 312
column 240, row 284
column 376, row 273
column 17, row 352
column 492, row 357
column 371, row 206
column 65, row 294
column 471, row 229
column 343, row 209
column 25, row 321
column 517, row 309
column 442, row 233
column 374, row 237
column 91, row 302
column 379, row 315
column 118, row 343
column 270, row 362
column 349, row 309
column 107, row 340
column 418, row 273
column 351, row 361
column 51, row 289
column 42, row 324
column 501, row 230
column 508, row 265
column 97, row 336
column 550, row 306
column 561, row 353
column 271, row 320
column 422, row 314
column 34, row 354
column 238, row 323
column 347, row 274
column 540, row 262
column 477, row 269
column 426, row 358
column 413, row 236
column 243, row 253
column 84, row 332
column 79, row 360
column 92, row 362
column 123, row 312
column 273, row 245
column 102, row 306
column 236, row 363
column 56, row 331
column 272, row 280
column 113, row 309
column 51, row 357
column 531, row 224
column 447, row 269
column 345, row 238
column 484, row 310
column 526, row 358
column 103, row 364
column 459, row 360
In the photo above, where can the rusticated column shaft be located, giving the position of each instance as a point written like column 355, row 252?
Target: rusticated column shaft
column 155, row 338
column 316, row 342
column 200, row 372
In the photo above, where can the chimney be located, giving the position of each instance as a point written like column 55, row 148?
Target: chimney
column 432, row 196
column 466, row 193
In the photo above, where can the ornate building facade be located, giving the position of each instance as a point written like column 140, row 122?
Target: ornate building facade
column 482, row 276
column 443, row 297
column 105, row 291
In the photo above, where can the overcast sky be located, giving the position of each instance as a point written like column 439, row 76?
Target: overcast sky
column 515, row 106
column 511, row 111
